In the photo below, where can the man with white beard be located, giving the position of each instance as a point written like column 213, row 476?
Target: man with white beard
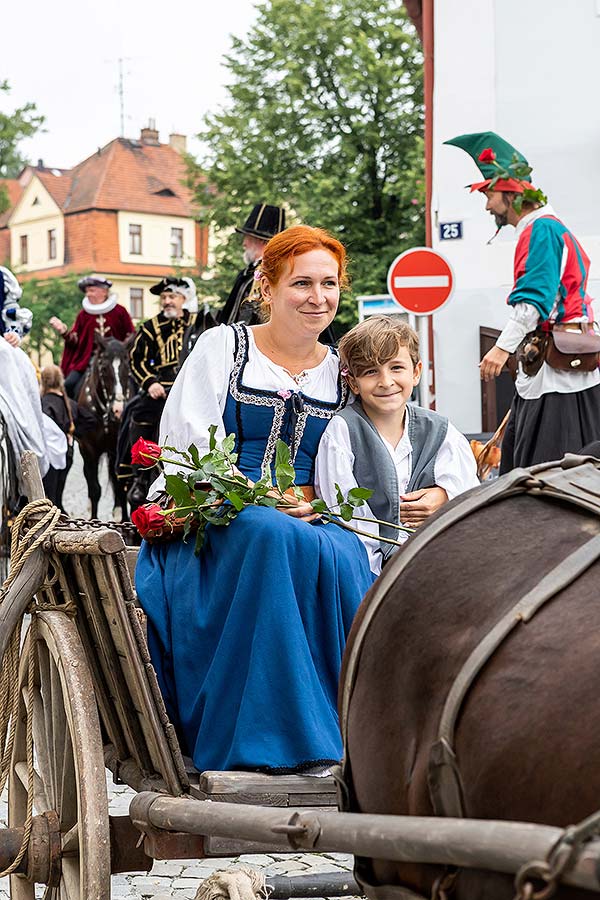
column 155, row 357
column 261, row 225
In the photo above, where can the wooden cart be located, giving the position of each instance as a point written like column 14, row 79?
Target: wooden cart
column 89, row 695
column 96, row 705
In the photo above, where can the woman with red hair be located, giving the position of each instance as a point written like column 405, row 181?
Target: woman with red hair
column 247, row 637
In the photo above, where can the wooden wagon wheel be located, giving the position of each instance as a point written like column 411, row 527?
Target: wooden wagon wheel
column 69, row 764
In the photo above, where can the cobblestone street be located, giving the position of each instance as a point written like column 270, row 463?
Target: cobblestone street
column 171, row 879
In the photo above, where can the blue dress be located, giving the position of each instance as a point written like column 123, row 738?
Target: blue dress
column 247, row 637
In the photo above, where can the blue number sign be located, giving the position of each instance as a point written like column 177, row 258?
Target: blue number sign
column 450, row 231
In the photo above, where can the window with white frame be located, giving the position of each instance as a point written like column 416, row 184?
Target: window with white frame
column 136, row 302
column 135, row 240
column 176, row 243
column 52, row 243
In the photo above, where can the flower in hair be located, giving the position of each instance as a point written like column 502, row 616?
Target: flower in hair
column 257, row 273
column 345, row 372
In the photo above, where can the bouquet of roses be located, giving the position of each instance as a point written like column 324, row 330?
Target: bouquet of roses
column 210, row 489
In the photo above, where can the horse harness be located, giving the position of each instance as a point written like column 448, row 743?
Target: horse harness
column 101, row 405
column 575, row 479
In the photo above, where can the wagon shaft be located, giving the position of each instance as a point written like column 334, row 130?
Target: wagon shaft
column 477, row 844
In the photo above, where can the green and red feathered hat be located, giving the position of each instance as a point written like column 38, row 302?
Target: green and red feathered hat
column 501, row 164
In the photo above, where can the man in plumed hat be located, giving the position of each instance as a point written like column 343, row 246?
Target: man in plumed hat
column 155, row 356
column 101, row 313
column 263, row 223
column 556, row 408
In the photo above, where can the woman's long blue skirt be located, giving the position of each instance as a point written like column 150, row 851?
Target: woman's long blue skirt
column 247, row 638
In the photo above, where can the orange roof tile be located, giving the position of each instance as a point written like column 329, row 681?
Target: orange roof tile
column 57, row 185
column 131, row 175
column 14, row 190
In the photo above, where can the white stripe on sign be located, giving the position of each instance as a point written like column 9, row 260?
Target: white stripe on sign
column 421, row 281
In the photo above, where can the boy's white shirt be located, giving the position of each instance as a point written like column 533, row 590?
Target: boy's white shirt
column 455, row 472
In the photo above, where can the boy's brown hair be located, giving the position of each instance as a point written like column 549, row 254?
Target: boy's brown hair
column 376, row 341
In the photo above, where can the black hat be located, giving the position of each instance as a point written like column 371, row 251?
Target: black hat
column 168, row 283
column 264, row 221
column 92, row 281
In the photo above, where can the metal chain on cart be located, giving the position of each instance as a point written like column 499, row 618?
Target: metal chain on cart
column 560, row 858
column 23, row 545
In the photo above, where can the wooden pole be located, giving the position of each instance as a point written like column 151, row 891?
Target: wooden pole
column 468, row 843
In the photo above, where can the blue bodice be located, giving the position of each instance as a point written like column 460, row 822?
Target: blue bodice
column 259, row 418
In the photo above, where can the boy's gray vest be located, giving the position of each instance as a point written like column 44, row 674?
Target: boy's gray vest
column 374, row 467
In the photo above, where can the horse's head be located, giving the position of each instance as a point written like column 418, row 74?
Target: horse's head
column 110, row 372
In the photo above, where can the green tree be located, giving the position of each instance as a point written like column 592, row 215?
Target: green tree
column 55, row 297
column 21, row 123
column 325, row 116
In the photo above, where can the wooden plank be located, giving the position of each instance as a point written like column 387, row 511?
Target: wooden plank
column 30, row 476
column 256, row 782
column 90, row 592
column 133, row 671
column 111, row 725
column 19, row 595
column 91, row 541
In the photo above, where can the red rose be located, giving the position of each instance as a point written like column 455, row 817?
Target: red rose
column 145, row 453
column 147, row 518
column 487, row 155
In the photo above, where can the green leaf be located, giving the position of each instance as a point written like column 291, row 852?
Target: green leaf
column 267, row 501
column 346, row 511
column 194, row 455
column 358, row 495
column 319, row 506
column 339, row 494
column 178, row 489
column 212, row 441
column 282, row 454
column 235, row 500
column 228, row 443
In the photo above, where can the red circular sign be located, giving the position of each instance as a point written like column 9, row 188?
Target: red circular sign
column 420, row 280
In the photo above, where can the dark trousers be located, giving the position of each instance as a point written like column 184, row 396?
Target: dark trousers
column 54, row 481
column 73, row 383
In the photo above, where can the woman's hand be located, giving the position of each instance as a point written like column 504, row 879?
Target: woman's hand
column 417, row 506
column 13, row 339
column 302, row 510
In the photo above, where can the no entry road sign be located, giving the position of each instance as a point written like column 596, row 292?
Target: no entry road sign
column 421, row 281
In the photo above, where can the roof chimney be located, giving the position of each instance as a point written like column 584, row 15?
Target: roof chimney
column 40, row 164
column 149, row 135
column 178, row 142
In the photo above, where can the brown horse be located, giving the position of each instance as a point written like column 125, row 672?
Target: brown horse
column 104, row 390
column 527, row 731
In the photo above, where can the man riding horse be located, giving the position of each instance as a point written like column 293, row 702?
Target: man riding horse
column 155, row 357
column 100, row 314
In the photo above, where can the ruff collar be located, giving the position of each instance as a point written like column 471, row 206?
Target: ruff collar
column 100, row 309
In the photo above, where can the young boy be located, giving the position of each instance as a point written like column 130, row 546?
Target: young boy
column 413, row 459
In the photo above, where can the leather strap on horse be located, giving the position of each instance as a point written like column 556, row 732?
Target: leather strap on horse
column 445, row 786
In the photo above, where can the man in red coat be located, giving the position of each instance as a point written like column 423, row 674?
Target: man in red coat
column 101, row 313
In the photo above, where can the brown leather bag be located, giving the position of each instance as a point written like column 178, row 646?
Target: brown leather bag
column 573, row 347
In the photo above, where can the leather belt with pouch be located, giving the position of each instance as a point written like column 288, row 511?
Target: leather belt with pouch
column 572, row 347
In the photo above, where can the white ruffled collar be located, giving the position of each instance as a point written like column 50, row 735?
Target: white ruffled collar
column 100, row 309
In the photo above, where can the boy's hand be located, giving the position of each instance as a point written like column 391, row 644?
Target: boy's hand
column 417, row 506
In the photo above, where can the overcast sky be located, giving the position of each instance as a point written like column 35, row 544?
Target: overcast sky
column 64, row 56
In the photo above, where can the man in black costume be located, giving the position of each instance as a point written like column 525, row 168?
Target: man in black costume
column 261, row 225
column 155, row 359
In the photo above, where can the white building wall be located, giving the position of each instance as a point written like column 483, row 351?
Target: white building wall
column 528, row 72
